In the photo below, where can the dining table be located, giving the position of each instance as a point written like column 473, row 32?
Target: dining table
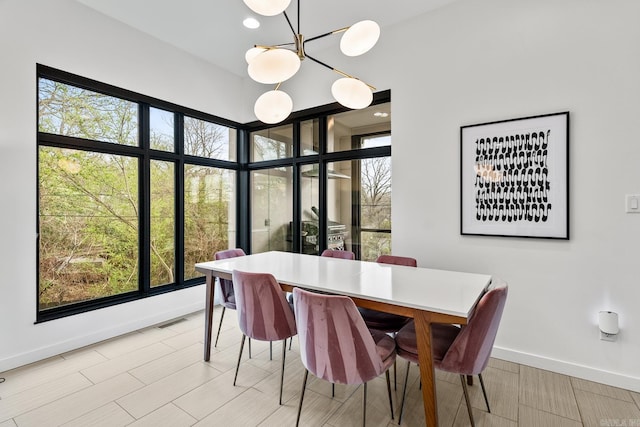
column 425, row 294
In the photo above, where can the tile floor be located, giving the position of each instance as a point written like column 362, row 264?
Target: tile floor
column 156, row 377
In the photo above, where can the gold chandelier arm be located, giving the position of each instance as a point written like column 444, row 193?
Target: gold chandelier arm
column 278, row 86
column 330, row 33
column 342, row 73
column 261, row 46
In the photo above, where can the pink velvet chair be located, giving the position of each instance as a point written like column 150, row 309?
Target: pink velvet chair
column 337, row 346
column 463, row 351
column 380, row 320
column 263, row 312
column 338, row 254
column 228, row 298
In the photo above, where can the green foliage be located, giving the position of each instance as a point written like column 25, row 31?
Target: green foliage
column 206, row 205
column 89, row 202
column 71, row 111
column 88, row 225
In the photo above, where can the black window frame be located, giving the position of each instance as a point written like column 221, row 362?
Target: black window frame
column 241, row 166
column 322, row 158
column 145, row 156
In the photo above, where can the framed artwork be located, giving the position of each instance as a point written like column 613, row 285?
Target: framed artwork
column 514, row 177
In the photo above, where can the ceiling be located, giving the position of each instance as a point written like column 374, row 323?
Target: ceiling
column 213, row 30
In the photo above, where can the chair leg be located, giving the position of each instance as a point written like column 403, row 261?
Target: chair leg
column 284, row 352
column 333, row 390
column 220, row 326
column 395, row 379
column 364, row 405
column 484, row 391
column 404, row 393
column 466, row 398
column 270, row 350
column 249, row 348
column 304, row 386
column 290, row 342
column 240, row 357
column 389, row 392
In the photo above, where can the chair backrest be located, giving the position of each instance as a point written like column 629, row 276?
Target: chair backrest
column 335, row 343
column 338, row 254
column 469, row 353
column 397, row 260
column 225, row 284
column 263, row 312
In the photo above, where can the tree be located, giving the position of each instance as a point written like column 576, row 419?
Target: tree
column 375, row 202
column 207, row 194
column 89, row 201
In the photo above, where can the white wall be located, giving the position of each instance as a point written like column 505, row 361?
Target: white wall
column 480, row 61
column 475, row 62
column 71, row 37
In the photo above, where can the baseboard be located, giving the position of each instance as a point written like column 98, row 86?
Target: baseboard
column 95, row 337
column 579, row 371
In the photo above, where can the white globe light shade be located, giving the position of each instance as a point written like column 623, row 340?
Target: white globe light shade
column 273, row 106
column 360, row 38
column 273, row 66
column 267, row 7
column 252, row 53
column 352, row 93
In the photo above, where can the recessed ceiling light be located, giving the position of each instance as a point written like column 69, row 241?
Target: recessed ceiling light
column 251, row 23
column 381, row 114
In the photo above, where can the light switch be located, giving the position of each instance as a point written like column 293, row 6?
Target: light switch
column 632, row 203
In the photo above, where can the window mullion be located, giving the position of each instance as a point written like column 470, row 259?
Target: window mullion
column 144, row 216
column 179, row 199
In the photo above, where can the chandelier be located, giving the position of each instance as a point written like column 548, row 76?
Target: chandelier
column 278, row 63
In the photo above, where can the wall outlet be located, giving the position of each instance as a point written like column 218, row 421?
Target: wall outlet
column 632, row 203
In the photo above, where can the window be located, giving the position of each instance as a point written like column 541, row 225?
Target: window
column 131, row 194
column 375, row 208
column 71, row 111
column 209, row 214
column 163, row 223
column 344, row 129
column 272, row 209
column 359, row 206
column 133, row 191
column 203, row 138
column 273, row 143
column 310, row 201
column 334, row 193
column 162, row 128
column 89, row 243
column 310, row 137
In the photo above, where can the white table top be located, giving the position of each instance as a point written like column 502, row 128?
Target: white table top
column 439, row 291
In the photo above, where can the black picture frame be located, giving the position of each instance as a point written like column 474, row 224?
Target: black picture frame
column 514, row 177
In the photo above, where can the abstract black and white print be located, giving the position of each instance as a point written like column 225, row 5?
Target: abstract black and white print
column 512, row 177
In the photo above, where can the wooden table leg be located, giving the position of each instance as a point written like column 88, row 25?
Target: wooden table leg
column 427, row 375
column 208, row 315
